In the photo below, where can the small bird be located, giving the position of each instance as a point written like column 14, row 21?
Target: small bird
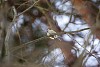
column 51, row 32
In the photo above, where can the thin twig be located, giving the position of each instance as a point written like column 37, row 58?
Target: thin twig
column 23, row 3
column 69, row 19
column 23, row 45
column 86, row 50
column 45, row 37
column 28, row 8
column 75, row 31
column 14, row 21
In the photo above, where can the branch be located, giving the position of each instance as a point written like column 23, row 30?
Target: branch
column 28, row 8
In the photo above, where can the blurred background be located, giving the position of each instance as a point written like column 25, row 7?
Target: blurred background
column 49, row 33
